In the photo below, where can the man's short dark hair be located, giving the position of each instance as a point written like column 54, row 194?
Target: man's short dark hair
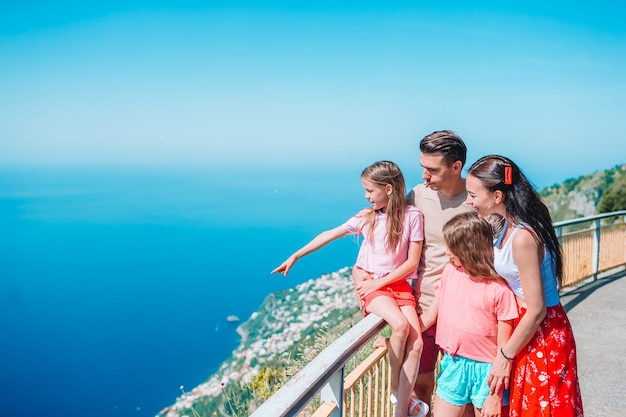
column 447, row 143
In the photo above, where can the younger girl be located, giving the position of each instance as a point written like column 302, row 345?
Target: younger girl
column 393, row 233
column 474, row 311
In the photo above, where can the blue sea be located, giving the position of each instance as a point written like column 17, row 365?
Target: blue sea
column 115, row 283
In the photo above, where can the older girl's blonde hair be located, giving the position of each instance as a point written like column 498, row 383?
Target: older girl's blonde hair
column 381, row 174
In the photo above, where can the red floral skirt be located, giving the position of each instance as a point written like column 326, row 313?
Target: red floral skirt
column 545, row 376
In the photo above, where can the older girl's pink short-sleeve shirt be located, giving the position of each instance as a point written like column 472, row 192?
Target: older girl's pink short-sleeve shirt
column 374, row 256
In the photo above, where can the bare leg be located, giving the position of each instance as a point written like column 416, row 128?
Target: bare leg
column 382, row 341
column 471, row 411
column 424, row 386
column 386, row 308
column 411, row 346
column 445, row 409
column 410, row 366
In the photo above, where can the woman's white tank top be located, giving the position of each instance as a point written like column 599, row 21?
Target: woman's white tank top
column 505, row 266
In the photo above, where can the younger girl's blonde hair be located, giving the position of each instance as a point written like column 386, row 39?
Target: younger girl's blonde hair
column 470, row 239
column 381, row 174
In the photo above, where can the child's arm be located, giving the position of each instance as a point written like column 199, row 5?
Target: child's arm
column 429, row 317
column 493, row 404
column 317, row 242
column 359, row 275
column 410, row 265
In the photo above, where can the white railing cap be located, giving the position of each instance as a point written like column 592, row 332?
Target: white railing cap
column 300, row 389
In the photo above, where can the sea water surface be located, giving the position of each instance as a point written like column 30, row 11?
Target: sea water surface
column 115, row 284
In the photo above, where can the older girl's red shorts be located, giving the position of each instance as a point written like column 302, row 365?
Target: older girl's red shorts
column 400, row 291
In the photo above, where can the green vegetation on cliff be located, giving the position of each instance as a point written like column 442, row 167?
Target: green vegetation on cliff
column 586, row 195
column 285, row 333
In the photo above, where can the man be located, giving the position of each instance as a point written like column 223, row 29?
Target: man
column 440, row 197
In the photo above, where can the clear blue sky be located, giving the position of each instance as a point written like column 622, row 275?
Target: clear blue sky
column 260, row 84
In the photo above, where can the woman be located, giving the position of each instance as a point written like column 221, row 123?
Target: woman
column 528, row 256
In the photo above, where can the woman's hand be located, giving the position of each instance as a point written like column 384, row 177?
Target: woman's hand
column 500, row 374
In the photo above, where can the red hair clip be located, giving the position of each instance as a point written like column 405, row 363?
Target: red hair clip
column 508, row 175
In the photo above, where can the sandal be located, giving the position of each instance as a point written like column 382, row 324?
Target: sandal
column 414, row 402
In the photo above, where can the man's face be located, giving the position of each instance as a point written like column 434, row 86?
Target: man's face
column 437, row 173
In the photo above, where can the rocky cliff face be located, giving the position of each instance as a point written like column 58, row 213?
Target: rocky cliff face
column 579, row 197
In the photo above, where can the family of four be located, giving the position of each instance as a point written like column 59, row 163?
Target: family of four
column 469, row 268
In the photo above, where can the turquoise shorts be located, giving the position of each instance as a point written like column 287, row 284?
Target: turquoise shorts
column 462, row 381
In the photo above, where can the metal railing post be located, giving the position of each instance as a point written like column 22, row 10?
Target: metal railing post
column 597, row 226
column 333, row 392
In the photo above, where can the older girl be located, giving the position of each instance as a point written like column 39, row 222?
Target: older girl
column 393, row 233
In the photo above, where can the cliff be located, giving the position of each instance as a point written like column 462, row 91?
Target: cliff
column 582, row 196
column 271, row 336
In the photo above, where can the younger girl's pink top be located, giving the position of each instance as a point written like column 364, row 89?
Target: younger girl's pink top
column 469, row 311
column 374, row 255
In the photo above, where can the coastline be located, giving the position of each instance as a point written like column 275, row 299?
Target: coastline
column 243, row 334
column 283, row 320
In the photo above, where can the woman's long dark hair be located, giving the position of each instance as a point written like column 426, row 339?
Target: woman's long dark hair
column 521, row 201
